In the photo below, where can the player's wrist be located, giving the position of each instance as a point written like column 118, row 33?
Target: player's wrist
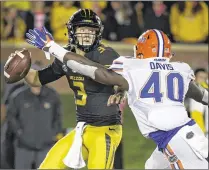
column 49, row 44
column 57, row 51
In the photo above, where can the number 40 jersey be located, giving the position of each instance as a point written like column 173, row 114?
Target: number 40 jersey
column 157, row 89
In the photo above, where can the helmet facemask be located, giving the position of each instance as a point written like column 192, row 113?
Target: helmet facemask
column 85, row 30
column 85, row 36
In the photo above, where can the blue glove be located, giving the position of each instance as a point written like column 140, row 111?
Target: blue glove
column 39, row 38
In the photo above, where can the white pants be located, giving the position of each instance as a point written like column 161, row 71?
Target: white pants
column 186, row 150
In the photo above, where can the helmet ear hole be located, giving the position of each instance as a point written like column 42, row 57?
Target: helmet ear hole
column 140, row 55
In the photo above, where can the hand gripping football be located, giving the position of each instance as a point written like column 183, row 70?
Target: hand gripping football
column 17, row 66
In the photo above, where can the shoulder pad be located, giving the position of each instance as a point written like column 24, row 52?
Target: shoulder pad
column 186, row 68
column 69, row 47
column 183, row 65
column 102, row 46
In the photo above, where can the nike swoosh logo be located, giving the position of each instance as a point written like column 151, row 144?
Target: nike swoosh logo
column 111, row 129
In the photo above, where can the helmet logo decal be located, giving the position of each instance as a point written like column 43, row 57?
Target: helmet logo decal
column 142, row 39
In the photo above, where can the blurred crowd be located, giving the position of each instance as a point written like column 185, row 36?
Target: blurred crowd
column 184, row 22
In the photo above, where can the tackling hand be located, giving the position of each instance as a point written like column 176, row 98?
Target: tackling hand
column 115, row 99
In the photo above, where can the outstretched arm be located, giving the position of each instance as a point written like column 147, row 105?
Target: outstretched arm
column 42, row 39
column 94, row 70
column 197, row 93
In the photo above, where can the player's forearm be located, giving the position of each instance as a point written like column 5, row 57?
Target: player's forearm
column 109, row 77
column 32, row 78
column 94, row 70
column 87, row 67
column 64, row 55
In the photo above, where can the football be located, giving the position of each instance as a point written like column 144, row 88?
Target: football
column 17, row 66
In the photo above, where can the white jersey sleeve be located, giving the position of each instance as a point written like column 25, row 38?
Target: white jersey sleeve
column 185, row 68
column 190, row 71
column 118, row 64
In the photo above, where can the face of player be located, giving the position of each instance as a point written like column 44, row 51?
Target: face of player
column 201, row 77
column 86, row 35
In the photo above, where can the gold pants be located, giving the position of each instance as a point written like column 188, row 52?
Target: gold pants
column 99, row 146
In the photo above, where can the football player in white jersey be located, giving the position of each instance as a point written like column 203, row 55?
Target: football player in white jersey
column 156, row 89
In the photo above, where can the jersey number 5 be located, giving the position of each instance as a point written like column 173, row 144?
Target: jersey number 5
column 81, row 92
column 174, row 86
